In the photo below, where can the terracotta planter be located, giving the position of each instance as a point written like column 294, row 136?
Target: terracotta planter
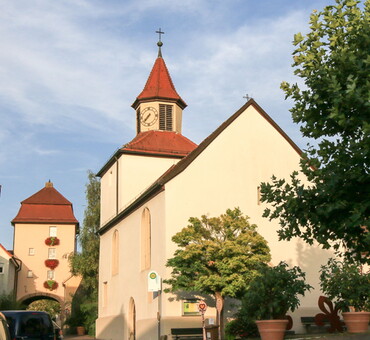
column 272, row 329
column 80, row 330
column 356, row 322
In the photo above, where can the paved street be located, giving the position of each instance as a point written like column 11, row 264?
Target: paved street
column 78, row 337
column 345, row 336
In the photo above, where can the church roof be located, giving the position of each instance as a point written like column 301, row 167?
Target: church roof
column 161, row 143
column 154, row 143
column 159, row 86
column 159, row 184
column 46, row 206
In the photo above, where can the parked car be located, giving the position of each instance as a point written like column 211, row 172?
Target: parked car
column 30, row 324
column 4, row 330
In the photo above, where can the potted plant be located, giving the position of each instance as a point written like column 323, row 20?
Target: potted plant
column 348, row 286
column 51, row 284
column 271, row 295
column 52, row 241
column 51, row 263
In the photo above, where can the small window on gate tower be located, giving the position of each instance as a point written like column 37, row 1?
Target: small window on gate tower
column 52, row 253
column 53, row 231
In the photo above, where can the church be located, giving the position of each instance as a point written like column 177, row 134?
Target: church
column 153, row 184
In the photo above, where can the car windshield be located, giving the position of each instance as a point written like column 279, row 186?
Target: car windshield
column 34, row 325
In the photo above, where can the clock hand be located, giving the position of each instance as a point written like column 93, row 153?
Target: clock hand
column 147, row 117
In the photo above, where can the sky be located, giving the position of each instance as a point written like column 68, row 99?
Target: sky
column 70, row 70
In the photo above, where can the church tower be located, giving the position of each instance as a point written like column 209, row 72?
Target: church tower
column 157, row 146
column 159, row 106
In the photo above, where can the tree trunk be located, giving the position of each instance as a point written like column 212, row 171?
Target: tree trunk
column 220, row 314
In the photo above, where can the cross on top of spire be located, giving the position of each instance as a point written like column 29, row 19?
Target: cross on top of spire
column 159, row 33
column 159, row 43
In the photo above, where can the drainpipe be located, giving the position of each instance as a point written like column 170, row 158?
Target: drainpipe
column 117, row 184
column 18, row 266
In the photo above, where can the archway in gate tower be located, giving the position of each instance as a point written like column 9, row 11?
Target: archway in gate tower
column 62, row 312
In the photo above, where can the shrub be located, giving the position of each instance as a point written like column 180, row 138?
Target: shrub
column 274, row 292
column 242, row 327
column 346, row 284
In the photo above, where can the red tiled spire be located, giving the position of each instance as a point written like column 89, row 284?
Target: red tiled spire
column 46, row 206
column 159, row 86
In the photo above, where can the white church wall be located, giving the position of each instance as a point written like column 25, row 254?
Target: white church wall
column 116, row 291
column 137, row 173
column 227, row 174
column 108, row 194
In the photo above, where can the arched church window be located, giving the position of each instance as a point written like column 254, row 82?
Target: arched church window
column 145, row 239
column 165, row 117
column 115, row 253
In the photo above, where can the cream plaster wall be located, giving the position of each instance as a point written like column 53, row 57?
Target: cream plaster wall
column 226, row 175
column 136, row 173
column 115, row 291
column 33, row 236
column 108, row 183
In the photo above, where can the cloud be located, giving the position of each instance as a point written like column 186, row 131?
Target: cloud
column 48, row 59
column 69, row 71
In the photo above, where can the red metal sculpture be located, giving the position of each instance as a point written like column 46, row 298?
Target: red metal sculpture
column 330, row 315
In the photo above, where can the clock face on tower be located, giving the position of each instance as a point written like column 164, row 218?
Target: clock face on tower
column 149, row 116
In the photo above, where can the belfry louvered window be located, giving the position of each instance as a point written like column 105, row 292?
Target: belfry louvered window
column 138, row 120
column 165, row 117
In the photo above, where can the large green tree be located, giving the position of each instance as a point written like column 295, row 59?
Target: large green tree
column 86, row 262
column 332, row 108
column 217, row 255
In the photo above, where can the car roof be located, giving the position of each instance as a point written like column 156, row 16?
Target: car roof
column 21, row 311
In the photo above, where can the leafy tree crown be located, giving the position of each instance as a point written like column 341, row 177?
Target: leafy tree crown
column 217, row 254
column 333, row 108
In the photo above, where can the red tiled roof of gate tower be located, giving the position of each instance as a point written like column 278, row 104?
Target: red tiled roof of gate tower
column 159, row 85
column 46, row 206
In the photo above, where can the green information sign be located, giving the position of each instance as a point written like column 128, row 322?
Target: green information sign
column 190, row 307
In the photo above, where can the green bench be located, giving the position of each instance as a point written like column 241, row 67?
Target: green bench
column 311, row 327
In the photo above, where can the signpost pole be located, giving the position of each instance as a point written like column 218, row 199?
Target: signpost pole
column 202, row 307
column 159, row 313
column 204, row 327
column 155, row 286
